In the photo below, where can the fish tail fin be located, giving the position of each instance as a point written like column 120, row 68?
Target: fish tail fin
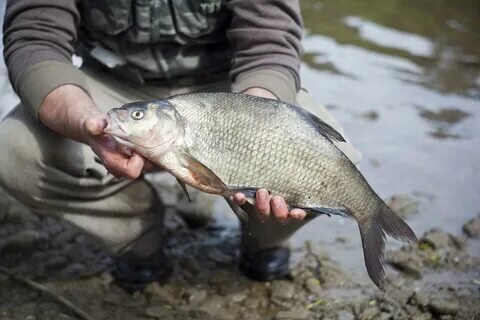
column 373, row 233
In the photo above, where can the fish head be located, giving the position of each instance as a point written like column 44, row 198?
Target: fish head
column 147, row 127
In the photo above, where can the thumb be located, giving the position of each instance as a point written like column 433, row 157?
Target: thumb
column 94, row 126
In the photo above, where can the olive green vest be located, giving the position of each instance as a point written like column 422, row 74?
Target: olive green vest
column 146, row 40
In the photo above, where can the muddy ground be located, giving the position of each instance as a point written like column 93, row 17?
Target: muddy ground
column 439, row 278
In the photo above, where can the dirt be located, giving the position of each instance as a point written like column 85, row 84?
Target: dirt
column 435, row 279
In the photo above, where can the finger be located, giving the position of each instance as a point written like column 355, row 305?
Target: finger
column 262, row 202
column 134, row 166
column 279, row 209
column 94, row 126
column 239, row 198
column 298, row 214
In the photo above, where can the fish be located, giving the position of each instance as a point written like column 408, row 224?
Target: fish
column 224, row 143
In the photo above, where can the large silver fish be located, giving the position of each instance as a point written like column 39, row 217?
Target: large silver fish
column 224, row 143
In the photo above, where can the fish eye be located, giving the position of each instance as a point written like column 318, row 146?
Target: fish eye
column 137, row 115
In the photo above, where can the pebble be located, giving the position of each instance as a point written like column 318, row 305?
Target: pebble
column 345, row 315
column 283, row 290
column 437, row 239
column 4, row 278
column 441, row 306
column 196, row 296
column 405, row 263
column 370, row 313
column 56, row 263
column 22, row 241
column 157, row 312
column 472, row 228
column 73, row 270
column 313, row 286
column 295, row 314
column 218, row 256
column 63, row 316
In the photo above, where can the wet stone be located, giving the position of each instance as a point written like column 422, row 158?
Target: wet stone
column 313, row 286
column 403, row 205
column 405, row 263
column 22, row 241
column 218, row 256
column 73, row 270
column 437, row 239
column 295, row 314
column 63, row 316
column 442, row 306
column 56, row 263
column 370, row 313
column 283, row 290
column 345, row 315
column 472, row 228
column 157, row 312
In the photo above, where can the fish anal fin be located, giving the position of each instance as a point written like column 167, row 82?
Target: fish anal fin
column 317, row 211
column 321, row 126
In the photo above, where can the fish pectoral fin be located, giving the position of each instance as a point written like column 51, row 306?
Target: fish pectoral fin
column 321, row 126
column 184, row 188
column 317, row 211
column 202, row 174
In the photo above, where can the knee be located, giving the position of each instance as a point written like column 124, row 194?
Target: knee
column 18, row 158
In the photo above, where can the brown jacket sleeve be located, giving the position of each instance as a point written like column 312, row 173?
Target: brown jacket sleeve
column 266, row 38
column 38, row 46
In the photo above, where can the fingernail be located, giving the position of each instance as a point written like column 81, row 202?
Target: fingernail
column 277, row 202
column 262, row 195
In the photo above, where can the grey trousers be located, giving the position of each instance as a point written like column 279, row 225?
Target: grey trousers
column 62, row 177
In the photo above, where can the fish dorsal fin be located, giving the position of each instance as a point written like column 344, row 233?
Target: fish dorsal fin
column 201, row 173
column 321, row 126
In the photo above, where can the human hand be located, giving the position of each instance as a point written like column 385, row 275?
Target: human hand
column 117, row 162
column 267, row 205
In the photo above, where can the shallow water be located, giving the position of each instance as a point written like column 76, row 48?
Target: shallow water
column 403, row 78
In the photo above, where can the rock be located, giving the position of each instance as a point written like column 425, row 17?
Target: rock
column 196, row 296
column 370, row 313
column 3, row 279
column 403, row 205
column 30, row 317
column 472, row 228
column 345, row 315
column 406, row 263
column 159, row 294
column 63, row 316
column 22, row 241
column 313, row 286
column 283, row 289
column 64, row 237
column 56, row 263
column 437, row 239
column 422, row 316
column 74, row 269
column 422, row 299
column 218, row 256
column 294, row 314
column 157, row 312
column 442, row 306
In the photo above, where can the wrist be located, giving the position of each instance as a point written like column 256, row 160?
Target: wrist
column 65, row 110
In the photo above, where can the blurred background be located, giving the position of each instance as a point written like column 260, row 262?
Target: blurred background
column 403, row 78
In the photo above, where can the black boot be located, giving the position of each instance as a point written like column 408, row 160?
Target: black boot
column 266, row 265
column 133, row 274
